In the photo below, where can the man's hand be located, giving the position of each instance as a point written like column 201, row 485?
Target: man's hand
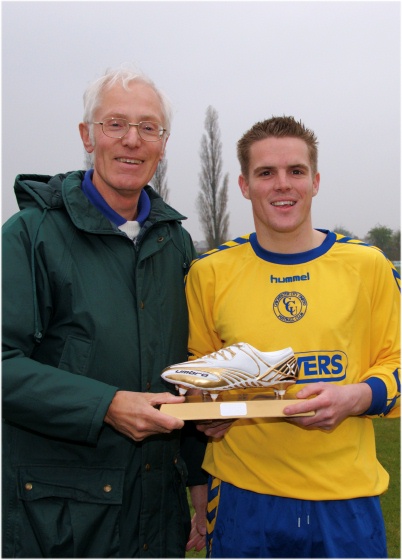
column 214, row 428
column 199, row 499
column 331, row 404
column 135, row 415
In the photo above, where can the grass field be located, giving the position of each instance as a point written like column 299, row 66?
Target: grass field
column 388, row 440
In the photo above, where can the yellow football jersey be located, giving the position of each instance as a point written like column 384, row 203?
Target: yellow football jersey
column 337, row 306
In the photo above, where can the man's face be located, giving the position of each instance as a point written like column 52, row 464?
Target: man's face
column 280, row 185
column 125, row 165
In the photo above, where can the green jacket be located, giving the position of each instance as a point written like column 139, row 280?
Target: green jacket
column 87, row 312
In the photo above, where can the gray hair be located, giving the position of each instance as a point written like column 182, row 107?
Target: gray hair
column 122, row 76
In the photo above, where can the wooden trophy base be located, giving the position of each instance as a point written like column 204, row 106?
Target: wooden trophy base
column 246, row 404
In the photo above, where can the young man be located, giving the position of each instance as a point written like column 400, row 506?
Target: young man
column 306, row 486
column 93, row 310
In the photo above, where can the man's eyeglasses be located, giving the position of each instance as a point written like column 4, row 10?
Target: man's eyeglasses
column 117, row 128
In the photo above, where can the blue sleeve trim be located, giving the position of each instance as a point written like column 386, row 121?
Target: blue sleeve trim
column 379, row 402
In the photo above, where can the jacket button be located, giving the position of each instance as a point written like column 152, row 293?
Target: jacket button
column 28, row 486
column 160, row 239
column 175, row 461
column 148, row 386
column 147, row 467
column 145, row 546
column 142, row 305
column 107, row 488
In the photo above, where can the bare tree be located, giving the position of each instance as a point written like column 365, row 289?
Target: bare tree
column 159, row 181
column 212, row 199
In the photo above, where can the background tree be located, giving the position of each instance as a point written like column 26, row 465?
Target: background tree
column 159, row 181
column 395, row 255
column 344, row 231
column 213, row 197
column 385, row 239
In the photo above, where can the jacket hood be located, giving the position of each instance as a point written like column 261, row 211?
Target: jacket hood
column 52, row 192
column 44, row 191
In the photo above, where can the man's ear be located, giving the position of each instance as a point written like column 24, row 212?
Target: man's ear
column 243, row 184
column 316, row 184
column 86, row 140
column 164, row 142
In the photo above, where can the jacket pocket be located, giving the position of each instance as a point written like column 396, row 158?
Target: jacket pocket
column 76, row 354
column 69, row 512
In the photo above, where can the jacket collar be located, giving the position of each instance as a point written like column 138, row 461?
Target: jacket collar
column 64, row 190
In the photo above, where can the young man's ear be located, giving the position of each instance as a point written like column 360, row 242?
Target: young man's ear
column 86, row 140
column 243, row 184
column 316, row 184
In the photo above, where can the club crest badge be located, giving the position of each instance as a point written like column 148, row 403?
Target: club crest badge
column 290, row 307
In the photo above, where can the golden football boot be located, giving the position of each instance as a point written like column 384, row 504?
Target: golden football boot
column 239, row 366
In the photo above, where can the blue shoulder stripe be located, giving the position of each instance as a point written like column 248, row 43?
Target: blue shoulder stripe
column 343, row 239
column 227, row 245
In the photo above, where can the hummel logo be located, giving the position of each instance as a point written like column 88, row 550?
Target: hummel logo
column 286, row 279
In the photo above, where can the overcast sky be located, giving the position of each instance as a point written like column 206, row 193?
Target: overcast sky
column 334, row 65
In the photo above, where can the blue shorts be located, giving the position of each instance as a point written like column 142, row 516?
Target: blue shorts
column 244, row 524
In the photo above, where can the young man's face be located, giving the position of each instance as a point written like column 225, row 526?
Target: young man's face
column 125, row 165
column 280, row 185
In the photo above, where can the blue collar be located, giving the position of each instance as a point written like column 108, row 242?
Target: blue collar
column 293, row 258
column 93, row 195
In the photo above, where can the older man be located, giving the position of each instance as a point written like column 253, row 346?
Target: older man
column 93, row 310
